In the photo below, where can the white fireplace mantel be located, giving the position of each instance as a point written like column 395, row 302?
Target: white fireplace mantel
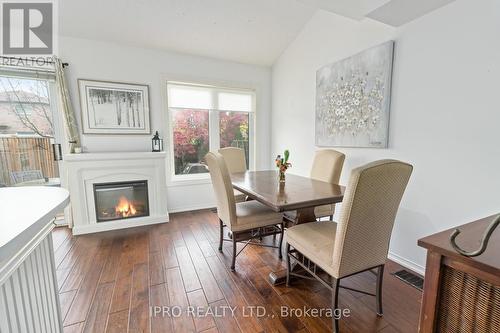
column 85, row 170
column 114, row 156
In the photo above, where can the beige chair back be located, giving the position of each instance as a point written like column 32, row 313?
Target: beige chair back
column 235, row 159
column 369, row 209
column 221, row 182
column 327, row 165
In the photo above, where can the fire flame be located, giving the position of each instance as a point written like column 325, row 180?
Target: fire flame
column 125, row 208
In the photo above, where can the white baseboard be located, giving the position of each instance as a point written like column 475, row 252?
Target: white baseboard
column 190, row 208
column 114, row 225
column 407, row 263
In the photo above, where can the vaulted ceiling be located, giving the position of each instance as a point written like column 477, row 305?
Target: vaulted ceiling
column 246, row 31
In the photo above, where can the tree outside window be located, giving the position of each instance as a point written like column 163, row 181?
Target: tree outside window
column 25, row 107
column 26, row 131
column 234, row 131
column 191, row 140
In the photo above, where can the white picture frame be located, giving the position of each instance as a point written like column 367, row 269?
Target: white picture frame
column 114, row 107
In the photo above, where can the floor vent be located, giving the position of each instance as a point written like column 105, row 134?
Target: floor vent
column 410, row 278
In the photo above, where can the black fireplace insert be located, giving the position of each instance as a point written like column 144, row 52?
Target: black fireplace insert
column 121, row 200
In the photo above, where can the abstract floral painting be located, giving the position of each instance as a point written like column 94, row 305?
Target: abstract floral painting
column 353, row 99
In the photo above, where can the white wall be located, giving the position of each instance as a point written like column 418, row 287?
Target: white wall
column 444, row 116
column 112, row 62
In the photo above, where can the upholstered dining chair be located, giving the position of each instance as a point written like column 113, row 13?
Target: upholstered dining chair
column 360, row 240
column 236, row 162
column 327, row 167
column 246, row 220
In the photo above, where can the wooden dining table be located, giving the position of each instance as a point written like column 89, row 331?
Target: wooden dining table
column 297, row 193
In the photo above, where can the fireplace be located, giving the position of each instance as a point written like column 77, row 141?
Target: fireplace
column 97, row 181
column 121, row 200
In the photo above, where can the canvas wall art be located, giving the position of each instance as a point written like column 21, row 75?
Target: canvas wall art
column 114, row 108
column 353, row 99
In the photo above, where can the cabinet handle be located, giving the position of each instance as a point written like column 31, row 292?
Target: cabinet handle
column 484, row 241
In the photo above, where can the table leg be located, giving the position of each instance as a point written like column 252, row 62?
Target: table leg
column 304, row 215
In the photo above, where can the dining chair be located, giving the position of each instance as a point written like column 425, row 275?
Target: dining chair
column 327, row 167
column 236, row 162
column 246, row 220
column 360, row 240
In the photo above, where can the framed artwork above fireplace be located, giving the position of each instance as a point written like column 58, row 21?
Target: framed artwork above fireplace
column 114, row 108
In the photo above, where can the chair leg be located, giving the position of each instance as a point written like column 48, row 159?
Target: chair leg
column 331, row 217
column 380, row 277
column 282, row 233
column 221, row 235
column 288, row 265
column 335, row 304
column 234, row 253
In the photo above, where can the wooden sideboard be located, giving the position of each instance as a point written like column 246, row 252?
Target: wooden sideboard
column 461, row 294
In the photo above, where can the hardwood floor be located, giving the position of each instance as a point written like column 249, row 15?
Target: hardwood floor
column 108, row 282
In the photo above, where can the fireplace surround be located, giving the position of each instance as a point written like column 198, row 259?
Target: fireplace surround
column 116, row 190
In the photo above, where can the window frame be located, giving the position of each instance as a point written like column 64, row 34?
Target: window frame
column 25, row 111
column 213, row 126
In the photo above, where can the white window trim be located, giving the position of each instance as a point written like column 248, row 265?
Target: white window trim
column 174, row 180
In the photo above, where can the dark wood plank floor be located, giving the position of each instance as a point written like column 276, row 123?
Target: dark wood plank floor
column 108, row 281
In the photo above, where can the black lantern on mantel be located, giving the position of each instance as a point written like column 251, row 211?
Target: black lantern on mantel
column 157, row 143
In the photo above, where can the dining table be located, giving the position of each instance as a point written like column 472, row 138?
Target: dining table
column 296, row 193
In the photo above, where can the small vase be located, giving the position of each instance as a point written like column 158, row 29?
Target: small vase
column 281, row 176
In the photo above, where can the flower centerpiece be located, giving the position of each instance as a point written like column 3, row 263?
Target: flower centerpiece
column 282, row 164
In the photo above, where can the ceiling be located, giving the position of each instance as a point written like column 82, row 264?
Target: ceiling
column 355, row 9
column 246, row 31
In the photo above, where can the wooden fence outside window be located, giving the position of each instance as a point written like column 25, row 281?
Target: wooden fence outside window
column 26, row 154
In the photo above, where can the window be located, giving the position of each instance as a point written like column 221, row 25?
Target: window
column 27, row 130
column 25, row 107
column 23, row 110
column 205, row 118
